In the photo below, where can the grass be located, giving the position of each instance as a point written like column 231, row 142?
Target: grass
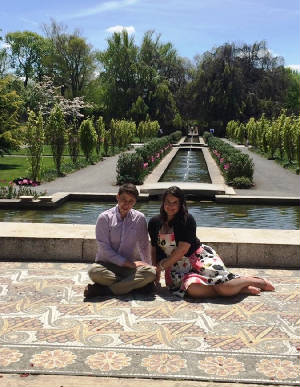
column 12, row 167
column 46, row 151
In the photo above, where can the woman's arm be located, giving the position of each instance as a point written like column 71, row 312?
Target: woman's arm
column 153, row 255
column 177, row 254
column 154, row 263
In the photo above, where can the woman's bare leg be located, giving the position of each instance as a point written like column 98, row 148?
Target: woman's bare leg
column 201, row 291
column 243, row 284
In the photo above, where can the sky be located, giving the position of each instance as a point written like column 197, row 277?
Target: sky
column 192, row 26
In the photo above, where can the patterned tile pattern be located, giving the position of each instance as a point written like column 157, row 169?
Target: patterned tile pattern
column 45, row 327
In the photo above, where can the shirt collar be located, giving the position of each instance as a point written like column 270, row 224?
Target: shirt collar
column 128, row 216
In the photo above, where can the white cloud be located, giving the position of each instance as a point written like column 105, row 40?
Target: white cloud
column 129, row 29
column 295, row 67
column 103, row 7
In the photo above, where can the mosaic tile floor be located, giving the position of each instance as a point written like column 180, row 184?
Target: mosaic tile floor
column 46, row 328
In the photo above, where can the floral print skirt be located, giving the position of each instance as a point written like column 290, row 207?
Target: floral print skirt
column 203, row 267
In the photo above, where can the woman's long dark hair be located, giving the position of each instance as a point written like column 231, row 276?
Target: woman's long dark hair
column 182, row 213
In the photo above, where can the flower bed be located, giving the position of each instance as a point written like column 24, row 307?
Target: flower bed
column 133, row 167
column 25, row 181
column 233, row 164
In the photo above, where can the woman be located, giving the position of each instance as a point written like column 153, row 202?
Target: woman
column 190, row 267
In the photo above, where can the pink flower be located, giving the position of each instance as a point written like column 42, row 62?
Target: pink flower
column 152, row 159
column 25, row 181
column 226, row 166
column 157, row 155
column 222, row 160
column 145, row 165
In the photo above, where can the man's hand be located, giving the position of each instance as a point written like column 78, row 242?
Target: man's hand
column 135, row 264
column 140, row 263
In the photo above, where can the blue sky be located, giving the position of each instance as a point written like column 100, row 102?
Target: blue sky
column 193, row 26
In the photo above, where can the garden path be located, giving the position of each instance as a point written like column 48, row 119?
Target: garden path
column 100, row 177
column 269, row 177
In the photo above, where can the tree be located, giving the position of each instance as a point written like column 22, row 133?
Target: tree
column 293, row 92
column 139, row 110
column 165, row 106
column 73, row 140
column 26, row 52
column 34, row 139
column 56, row 135
column 100, row 129
column 3, row 59
column 88, row 138
column 118, row 73
column 237, row 82
column 71, row 60
column 10, row 104
column 177, row 122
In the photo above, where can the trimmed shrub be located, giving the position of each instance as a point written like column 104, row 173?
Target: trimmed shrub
column 241, row 182
column 88, row 138
column 130, row 168
column 231, row 161
column 206, row 136
column 56, row 133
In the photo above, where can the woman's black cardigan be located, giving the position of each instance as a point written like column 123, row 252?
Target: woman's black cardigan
column 184, row 232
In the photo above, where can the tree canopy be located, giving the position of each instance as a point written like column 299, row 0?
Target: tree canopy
column 235, row 81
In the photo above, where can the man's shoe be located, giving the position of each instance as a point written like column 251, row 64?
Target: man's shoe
column 147, row 289
column 95, row 290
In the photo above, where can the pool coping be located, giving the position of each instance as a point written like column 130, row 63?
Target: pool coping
column 76, row 243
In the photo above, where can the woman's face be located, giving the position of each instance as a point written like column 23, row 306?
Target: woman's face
column 171, row 205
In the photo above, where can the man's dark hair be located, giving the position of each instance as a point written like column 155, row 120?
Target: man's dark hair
column 129, row 188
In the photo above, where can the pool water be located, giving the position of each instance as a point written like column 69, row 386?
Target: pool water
column 206, row 214
column 189, row 166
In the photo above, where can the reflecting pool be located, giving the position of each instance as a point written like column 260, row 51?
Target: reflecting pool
column 189, row 166
column 207, row 214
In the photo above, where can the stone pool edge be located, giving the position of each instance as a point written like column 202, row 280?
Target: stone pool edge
column 76, row 243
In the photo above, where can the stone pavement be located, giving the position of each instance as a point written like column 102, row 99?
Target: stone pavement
column 46, row 328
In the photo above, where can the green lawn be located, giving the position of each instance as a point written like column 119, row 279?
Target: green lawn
column 46, row 151
column 13, row 167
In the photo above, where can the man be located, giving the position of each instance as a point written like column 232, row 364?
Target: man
column 123, row 256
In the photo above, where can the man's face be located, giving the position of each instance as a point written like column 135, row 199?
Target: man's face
column 126, row 202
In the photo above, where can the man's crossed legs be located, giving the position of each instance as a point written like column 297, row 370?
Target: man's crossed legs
column 118, row 279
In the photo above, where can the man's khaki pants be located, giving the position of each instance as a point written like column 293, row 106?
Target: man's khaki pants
column 121, row 280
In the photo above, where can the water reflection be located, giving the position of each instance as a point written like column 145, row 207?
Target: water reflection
column 207, row 214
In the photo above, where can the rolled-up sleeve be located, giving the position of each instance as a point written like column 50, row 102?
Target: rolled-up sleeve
column 105, row 251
